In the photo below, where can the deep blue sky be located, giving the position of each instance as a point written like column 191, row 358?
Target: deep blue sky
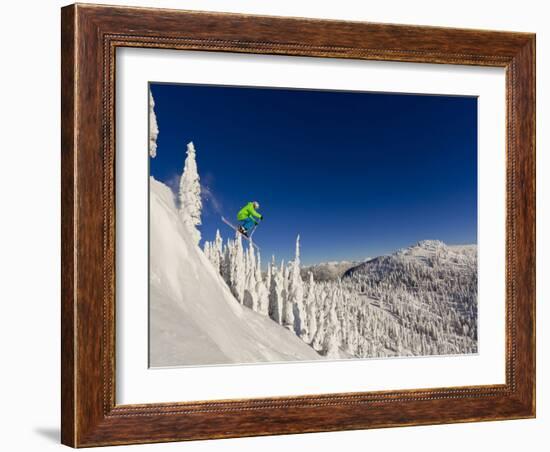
column 355, row 174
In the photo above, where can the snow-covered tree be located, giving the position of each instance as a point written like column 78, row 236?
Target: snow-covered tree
column 332, row 347
column 288, row 306
column 238, row 269
column 332, row 339
column 261, row 289
column 190, row 194
column 250, row 299
column 268, row 274
column 276, row 293
column 296, row 294
column 311, row 307
column 218, row 247
column 215, row 254
column 153, row 127
column 225, row 264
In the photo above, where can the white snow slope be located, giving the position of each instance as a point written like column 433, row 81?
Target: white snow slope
column 194, row 318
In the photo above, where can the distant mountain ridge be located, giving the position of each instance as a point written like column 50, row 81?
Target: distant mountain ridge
column 328, row 271
column 423, row 251
column 427, row 252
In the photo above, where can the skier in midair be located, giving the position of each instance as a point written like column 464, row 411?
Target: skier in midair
column 247, row 217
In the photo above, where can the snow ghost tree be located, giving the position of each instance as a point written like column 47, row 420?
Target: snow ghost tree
column 296, row 295
column 276, row 293
column 288, row 305
column 332, row 339
column 190, row 194
column 250, row 299
column 153, row 127
column 310, row 303
column 262, row 289
column 214, row 253
column 218, row 251
column 238, row 271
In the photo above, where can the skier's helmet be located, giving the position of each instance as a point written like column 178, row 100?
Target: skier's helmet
column 256, row 204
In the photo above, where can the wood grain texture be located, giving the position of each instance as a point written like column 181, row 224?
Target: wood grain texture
column 68, row 244
column 90, row 36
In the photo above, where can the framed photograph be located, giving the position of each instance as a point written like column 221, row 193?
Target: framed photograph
column 282, row 225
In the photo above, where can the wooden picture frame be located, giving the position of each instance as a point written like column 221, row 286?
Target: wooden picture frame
column 90, row 36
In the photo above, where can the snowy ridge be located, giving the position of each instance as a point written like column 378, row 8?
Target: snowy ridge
column 426, row 253
column 194, row 318
column 431, row 288
column 328, row 271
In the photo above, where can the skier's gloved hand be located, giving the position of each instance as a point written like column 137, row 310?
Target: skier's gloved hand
column 261, row 217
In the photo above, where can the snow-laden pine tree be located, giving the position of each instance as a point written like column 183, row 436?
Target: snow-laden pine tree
column 250, row 299
column 276, row 293
column 296, row 294
column 318, row 338
column 153, row 127
column 332, row 347
column 214, row 252
column 190, row 194
column 238, row 269
column 332, row 339
column 288, row 306
column 261, row 289
column 268, row 275
column 218, row 249
column 311, row 308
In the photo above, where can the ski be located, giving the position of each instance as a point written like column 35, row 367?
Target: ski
column 236, row 229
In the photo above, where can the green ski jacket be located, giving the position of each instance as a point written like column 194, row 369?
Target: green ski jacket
column 248, row 211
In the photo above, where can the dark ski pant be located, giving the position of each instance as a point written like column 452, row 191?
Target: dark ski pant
column 248, row 223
